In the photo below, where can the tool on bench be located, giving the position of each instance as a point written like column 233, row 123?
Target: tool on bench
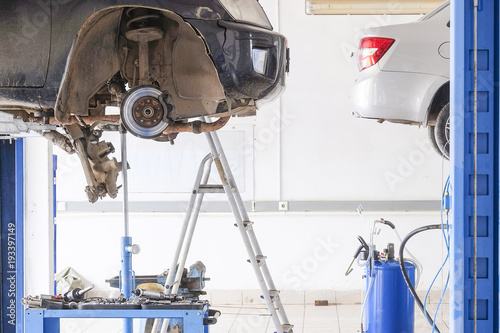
column 156, row 295
column 77, row 294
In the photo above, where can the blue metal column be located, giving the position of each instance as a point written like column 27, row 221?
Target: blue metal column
column 11, row 245
column 20, row 233
column 474, row 158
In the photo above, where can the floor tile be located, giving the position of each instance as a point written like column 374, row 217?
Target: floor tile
column 254, row 318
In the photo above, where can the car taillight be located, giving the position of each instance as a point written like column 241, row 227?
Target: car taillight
column 371, row 49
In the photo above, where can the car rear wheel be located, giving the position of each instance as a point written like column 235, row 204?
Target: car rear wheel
column 432, row 139
column 442, row 131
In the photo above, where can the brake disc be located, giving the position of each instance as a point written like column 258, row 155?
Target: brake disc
column 142, row 113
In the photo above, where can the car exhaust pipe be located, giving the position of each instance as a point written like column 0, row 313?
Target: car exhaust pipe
column 196, row 127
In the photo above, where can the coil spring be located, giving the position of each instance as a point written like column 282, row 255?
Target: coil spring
column 141, row 18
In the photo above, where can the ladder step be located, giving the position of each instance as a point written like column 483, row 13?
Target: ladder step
column 210, row 189
column 272, row 294
column 260, row 259
column 246, row 224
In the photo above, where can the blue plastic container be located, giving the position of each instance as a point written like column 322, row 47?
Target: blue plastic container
column 390, row 306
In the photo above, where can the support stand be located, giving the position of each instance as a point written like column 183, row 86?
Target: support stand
column 258, row 261
column 126, row 273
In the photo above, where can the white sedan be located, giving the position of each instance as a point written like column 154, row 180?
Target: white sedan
column 404, row 75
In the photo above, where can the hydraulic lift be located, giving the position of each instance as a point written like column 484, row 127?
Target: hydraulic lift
column 474, row 303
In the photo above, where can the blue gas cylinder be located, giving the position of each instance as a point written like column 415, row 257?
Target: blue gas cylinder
column 389, row 304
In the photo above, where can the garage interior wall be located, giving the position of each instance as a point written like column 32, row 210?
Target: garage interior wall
column 305, row 149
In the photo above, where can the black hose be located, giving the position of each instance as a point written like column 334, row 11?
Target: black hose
column 405, row 275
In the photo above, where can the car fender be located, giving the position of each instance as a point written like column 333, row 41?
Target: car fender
column 428, row 97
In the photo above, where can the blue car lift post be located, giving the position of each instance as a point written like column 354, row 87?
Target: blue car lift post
column 12, row 227
column 475, row 161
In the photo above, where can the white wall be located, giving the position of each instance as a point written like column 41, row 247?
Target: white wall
column 306, row 251
column 38, row 214
column 304, row 147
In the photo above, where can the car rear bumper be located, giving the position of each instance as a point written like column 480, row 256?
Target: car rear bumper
column 395, row 96
column 232, row 46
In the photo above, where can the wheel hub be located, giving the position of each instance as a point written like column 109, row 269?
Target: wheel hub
column 142, row 113
column 147, row 112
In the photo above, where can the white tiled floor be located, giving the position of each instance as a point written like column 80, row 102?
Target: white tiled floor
column 336, row 318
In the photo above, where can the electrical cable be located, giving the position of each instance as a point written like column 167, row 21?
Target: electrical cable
column 430, row 287
column 405, row 274
column 440, row 301
column 444, row 208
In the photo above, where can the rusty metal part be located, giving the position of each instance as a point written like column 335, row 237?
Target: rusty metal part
column 100, row 171
column 193, row 127
column 147, row 111
column 143, row 36
column 74, row 120
column 196, row 127
column 60, row 140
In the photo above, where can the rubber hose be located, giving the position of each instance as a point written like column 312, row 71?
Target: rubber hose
column 405, row 275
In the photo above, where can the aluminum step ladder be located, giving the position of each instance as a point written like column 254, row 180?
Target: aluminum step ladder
column 258, row 261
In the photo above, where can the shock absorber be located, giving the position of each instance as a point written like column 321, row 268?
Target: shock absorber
column 143, row 25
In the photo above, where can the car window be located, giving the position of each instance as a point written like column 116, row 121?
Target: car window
column 248, row 11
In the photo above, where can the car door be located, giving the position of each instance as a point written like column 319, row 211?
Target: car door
column 24, row 42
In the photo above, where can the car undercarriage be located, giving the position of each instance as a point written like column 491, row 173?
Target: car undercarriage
column 162, row 71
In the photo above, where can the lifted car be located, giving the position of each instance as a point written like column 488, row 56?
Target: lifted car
column 404, row 75
column 163, row 63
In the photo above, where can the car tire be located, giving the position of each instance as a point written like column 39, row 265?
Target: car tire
column 432, row 139
column 442, row 131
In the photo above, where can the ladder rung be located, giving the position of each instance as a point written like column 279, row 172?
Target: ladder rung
column 274, row 293
column 246, row 224
column 210, row 189
column 260, row 259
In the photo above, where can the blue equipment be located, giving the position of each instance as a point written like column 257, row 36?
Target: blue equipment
column 389, row 303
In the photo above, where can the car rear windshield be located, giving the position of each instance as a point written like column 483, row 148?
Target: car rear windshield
column 248, row 11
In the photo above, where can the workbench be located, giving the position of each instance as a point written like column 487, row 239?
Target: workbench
column 48, row 321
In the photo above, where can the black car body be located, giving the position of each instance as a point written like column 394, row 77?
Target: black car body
column 63, row 62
